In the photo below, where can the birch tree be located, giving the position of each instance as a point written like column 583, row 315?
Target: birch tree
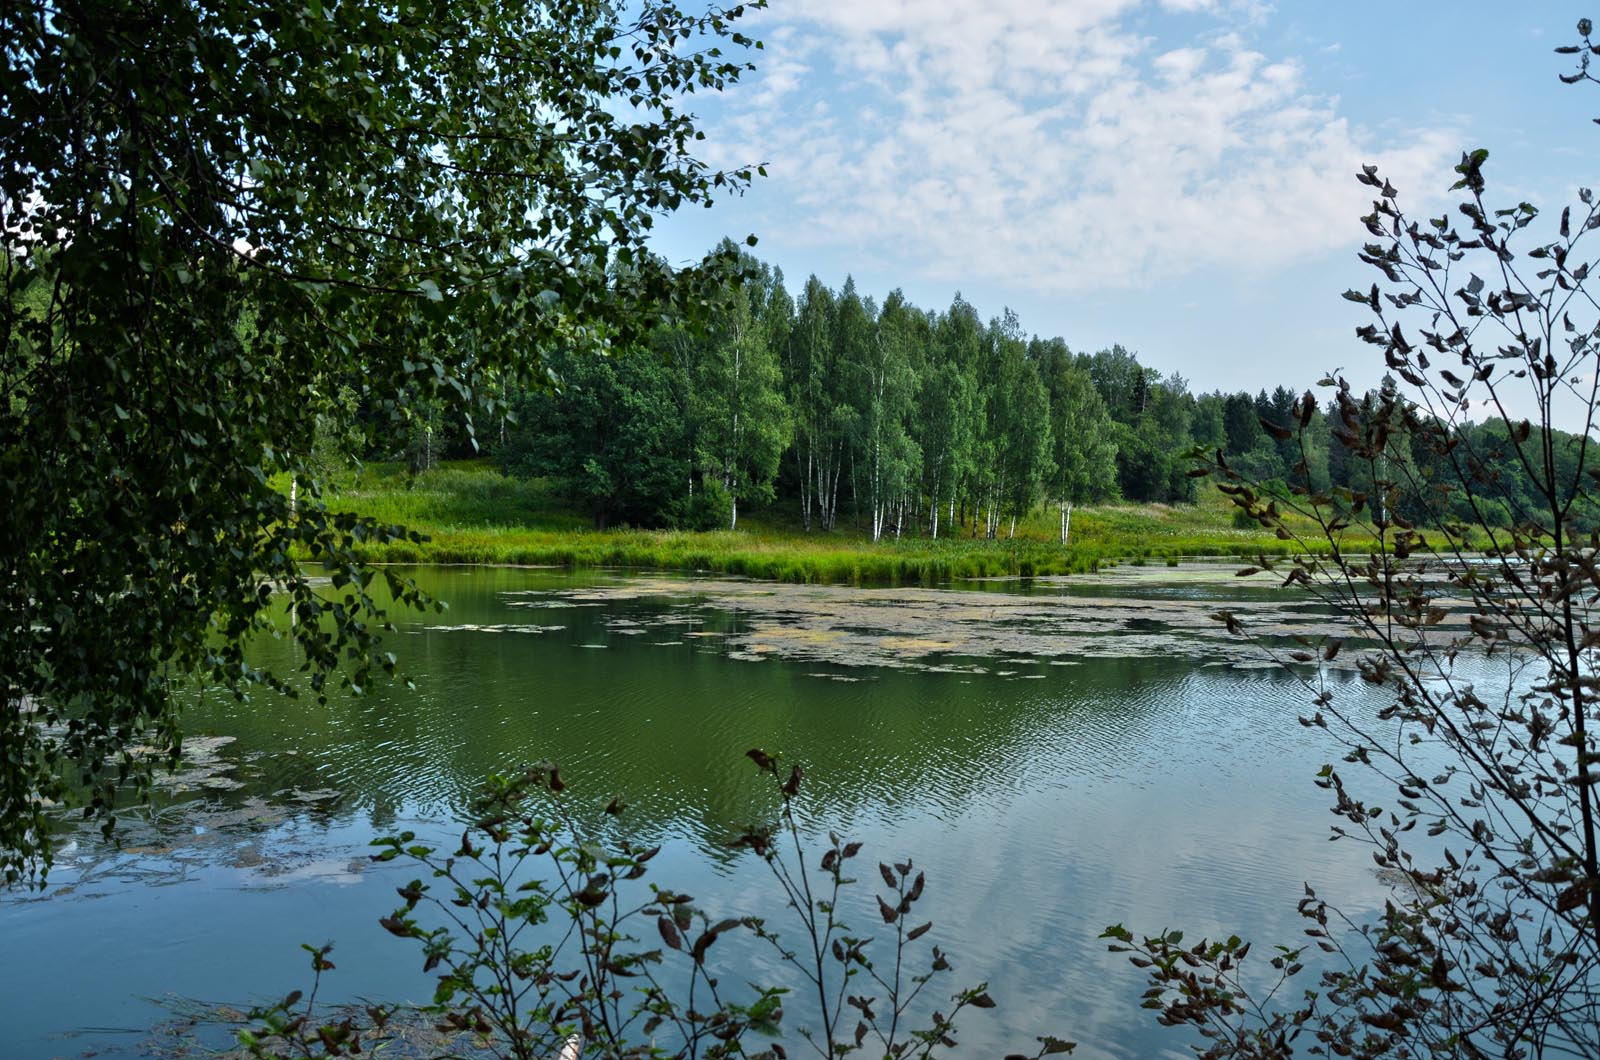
column 741, row 423
column 1019, row 420
column 1084, row 446
column 998, row 454
column 959, row 343
column 809, row 362
column 942, row 426
column 888, row 373
column 235, row 207
column 848, row 392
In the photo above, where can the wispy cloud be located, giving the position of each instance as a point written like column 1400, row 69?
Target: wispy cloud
column 1057, row 148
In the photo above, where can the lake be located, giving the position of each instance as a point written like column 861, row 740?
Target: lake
column 1057, row 755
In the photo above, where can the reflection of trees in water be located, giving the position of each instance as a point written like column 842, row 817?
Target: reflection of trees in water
column 661, row 716
column 665, row 725
column 1004, row 789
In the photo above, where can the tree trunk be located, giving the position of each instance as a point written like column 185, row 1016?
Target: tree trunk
column 824, row 475
column 833, row 496
column 805, row 482
column 855, row 493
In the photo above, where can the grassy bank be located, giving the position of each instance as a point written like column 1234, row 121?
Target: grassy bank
column 472, row 514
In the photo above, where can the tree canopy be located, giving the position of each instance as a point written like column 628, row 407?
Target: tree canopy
column 219, row 215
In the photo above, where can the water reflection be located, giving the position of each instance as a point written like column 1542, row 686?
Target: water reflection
column 1045, row 801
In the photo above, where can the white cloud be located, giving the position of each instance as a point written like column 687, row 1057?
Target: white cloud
column 1051, row 147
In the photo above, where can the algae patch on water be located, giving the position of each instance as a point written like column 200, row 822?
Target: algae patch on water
column 944, row 630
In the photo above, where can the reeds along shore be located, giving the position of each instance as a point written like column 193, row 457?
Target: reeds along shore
column 472, row 514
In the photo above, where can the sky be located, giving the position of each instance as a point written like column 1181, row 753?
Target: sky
column 1173, row 175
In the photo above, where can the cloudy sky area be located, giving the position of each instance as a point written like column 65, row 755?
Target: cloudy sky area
column 1173, row 175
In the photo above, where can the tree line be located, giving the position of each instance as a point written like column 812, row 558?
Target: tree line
column 903, row 420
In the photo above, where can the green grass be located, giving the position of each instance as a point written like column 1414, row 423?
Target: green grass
column 472, row 514
column 459, row 495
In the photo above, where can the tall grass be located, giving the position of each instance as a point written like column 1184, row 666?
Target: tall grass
column 474, row 515
column 457, row 495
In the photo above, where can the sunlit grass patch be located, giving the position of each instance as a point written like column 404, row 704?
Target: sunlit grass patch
column 472, row 514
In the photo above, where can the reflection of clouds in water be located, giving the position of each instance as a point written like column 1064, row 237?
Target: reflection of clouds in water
column 1149, row 779
column 1215, row 835
column 335, row 871
column 259, row 841
column 542, row 601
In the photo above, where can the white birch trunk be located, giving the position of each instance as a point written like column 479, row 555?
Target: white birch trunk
column 734, row 443
column 824, row 476
column 833, row 497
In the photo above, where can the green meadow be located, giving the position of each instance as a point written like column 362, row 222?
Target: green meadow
column 472, row 514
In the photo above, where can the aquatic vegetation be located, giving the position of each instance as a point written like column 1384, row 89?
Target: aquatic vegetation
column 975, row 629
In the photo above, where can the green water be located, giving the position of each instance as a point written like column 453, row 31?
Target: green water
column 1047, row 795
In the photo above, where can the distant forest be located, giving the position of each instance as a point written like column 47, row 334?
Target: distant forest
column 907, row 421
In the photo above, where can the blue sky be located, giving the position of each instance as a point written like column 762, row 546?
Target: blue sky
column 1173, row 175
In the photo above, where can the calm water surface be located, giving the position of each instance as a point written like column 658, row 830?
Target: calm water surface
column 1045, row 801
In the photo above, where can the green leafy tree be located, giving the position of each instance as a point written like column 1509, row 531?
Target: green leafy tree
column 1208, row 425
column 888, row 385
column 741, row 423
column 1117, row 375
column 942, row 425
column 947, row 403
column 810, row 382
column 215, row 213
column 848, row 393
column 1152, row 443
column 1019, row 428
column 960, row 341
column 1085, row 448
column 1241, row 424
column 610, row 440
